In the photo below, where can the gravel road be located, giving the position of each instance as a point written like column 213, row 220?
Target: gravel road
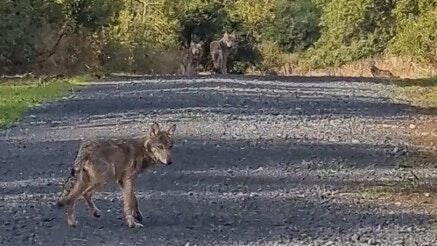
column 258, row 161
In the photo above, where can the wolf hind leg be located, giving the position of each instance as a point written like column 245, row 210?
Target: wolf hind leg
column 80, row 186
column 89, row 200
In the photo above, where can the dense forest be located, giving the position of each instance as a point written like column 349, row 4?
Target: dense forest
column 147, row 36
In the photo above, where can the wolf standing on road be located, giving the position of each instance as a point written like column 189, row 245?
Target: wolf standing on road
column 221, row 50
column 191, row 59
column 121, row 160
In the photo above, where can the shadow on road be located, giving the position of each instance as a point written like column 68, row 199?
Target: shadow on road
column 241, row 192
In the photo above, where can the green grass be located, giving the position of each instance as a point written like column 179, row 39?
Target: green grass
column 375, row 192
column 418, row 92
column 16, row 96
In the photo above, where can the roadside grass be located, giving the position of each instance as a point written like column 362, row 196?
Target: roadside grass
column 413, row 191
column 17, row 95
column 419, row 194
column 421, row 93
column 417, row 92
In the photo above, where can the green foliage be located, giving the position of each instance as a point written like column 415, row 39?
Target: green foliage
column 362, row 28
column 135, row 35
column 247, row 53
column 143, row 22
column 20, row 23
column 271, row 56
column 31, row 30
column 135, row 42
column 91, row 15
column 251, row 17
column 15, row 99
column 416, row 35
column 196, row 19
column 296, row 25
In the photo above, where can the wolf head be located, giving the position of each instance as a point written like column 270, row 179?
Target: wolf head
column 229, row 39
column 196, row 48
column 160, row 143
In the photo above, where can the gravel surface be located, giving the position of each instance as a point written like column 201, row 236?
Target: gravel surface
column 257, row 162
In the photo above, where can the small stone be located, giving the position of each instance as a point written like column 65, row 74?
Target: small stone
column 47, row 219
column 355, row 237
column 259, row 169
column 372, row 241
column 412, row 126
column 427, row 194
column 355, row 141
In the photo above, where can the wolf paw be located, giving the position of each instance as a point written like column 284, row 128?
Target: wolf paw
column 132, row 223
column 135, row 225
column 73, row 223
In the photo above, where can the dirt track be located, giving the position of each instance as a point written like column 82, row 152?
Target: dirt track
column 257, row 161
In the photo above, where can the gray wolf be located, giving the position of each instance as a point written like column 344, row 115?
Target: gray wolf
column 221, row 50
column 101, row 161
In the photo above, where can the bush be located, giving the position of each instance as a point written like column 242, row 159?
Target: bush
column 271, row 56
column 140, row 59
column 361, row 29
column 413, row 16
column 296, row 25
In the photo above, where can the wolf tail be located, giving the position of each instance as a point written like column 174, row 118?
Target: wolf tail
column 71, row 180
column 69, row 183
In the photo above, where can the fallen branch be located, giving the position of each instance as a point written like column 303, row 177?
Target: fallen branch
column 18, row 76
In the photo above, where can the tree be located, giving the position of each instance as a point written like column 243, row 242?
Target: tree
column 196, row 19
column 296, row 25
column 362, row 28
column 416, row 34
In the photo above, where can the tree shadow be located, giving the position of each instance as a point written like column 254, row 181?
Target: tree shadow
column 219, row 98
column 217, row 190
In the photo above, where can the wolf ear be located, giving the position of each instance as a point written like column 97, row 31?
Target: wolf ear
column 171, row 130
column 233, row 34
column 154, row 129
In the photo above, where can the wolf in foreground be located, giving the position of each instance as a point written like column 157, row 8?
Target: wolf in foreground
column 115, row 160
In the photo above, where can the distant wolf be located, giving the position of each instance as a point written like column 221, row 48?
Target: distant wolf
column 379, row 73
column 191, row 58
column 221, row 50
column 101, row 161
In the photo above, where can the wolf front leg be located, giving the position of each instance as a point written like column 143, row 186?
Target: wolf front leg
column 224, row 68
column 136, row 212
column 129, row 203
